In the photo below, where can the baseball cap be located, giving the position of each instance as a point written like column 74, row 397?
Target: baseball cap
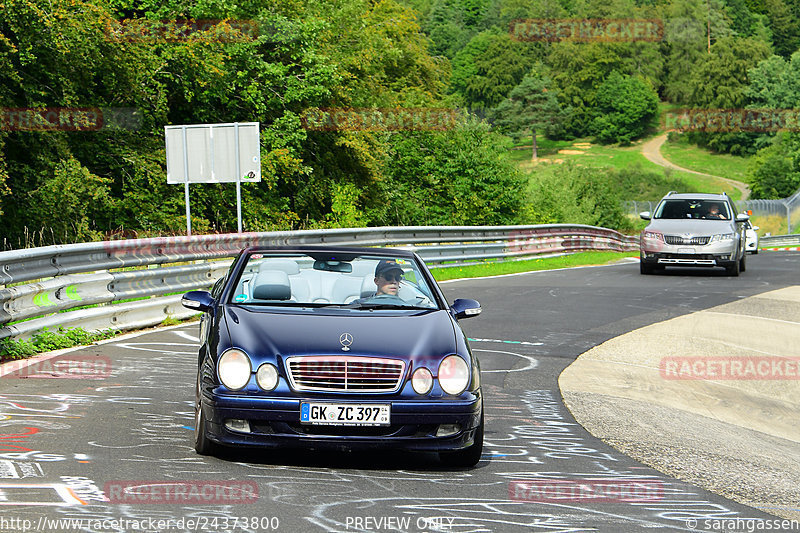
column 385, row 265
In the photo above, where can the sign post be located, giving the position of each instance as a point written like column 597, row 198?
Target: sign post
column 213, row 153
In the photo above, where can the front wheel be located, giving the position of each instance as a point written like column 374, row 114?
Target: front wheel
column 468, row 456
column 202, row 444
column 742, row 265
column 733, row 270
column 644, row 268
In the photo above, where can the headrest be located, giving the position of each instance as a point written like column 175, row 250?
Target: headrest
column 272, row 285
column 368, row 287
column 284, row 265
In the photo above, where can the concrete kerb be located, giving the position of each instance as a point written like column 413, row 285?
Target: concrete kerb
column 728, row 436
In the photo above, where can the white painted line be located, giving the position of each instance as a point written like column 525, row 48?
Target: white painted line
column 753, row 316
column 532, row 361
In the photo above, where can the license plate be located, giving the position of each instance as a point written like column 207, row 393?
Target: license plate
column 685, row 250
column 345, row 414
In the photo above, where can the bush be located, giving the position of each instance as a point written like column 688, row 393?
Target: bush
column 47, row 341
column 458, row 177
column 624, row 109
column 571, row 194
column 775, row 170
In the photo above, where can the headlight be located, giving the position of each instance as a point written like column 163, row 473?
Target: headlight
column 453, row 374
column 422, row 381
column 653, row 235
column 723, row 237
column 267, row 376
column 234, row 369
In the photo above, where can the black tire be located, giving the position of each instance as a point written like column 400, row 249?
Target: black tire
column 733, row 270
column 755, row 252
column 202, row 444
column 644, row 268
column 468, row 456
column 742, row 263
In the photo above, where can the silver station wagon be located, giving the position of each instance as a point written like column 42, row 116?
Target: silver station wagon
column 693, row 230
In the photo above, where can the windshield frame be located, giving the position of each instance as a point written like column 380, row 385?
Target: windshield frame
column 698, row 205
column 422, row 281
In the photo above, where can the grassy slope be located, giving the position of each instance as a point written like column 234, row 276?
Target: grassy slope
column 701, row 160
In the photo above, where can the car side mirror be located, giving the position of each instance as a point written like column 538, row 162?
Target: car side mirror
column 645, row 215
column 756, row 228
column 198, row 300
column 465, row 308
column 742, row 218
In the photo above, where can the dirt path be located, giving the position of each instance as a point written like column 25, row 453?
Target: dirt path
column 652, row 151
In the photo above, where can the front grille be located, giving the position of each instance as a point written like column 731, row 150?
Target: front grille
column 677, row 239
column 344, row 373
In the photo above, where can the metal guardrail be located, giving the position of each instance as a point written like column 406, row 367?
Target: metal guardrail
column 779, row 240
column 52, row 282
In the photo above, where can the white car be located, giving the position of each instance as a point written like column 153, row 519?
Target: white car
column 751, row 237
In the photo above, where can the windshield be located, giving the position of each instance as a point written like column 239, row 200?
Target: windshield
column 695, row 209
column 366, row 282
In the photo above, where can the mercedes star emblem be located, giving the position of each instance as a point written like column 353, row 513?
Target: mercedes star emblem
column 346, row 339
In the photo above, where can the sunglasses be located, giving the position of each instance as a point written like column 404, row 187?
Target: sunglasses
column 393, row 277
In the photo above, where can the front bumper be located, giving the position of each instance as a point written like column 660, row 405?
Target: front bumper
column 710, row 255
column 275, row 422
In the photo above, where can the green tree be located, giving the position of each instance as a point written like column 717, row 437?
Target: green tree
column 687, row 37
column 625, row 107
column 785, row 26
column 460, row 176
column 728, row 65
column 579, row 69
column 532, row 107
column 498, row 68
column 450, row 24
column 774, row 171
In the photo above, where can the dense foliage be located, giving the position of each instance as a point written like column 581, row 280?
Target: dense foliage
column 84, row 185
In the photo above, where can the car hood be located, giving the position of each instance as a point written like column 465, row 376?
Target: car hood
column 692, row 226
column 266, row 334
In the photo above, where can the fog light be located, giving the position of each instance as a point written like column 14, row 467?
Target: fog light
column 234, row 424
column 446, row 430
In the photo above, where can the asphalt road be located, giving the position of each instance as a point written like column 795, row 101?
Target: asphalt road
column 68, row 444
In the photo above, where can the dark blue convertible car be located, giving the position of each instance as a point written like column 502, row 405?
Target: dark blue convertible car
column 337, row 348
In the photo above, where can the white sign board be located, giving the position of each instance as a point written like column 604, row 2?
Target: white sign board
column 209, row 151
